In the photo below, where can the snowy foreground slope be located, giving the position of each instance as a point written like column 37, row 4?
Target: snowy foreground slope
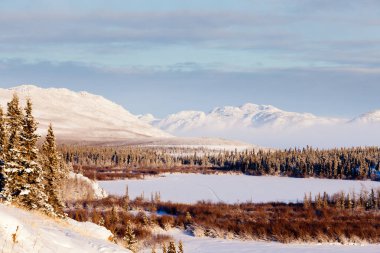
column 36, row 233
column 81, row 115
column 190, row 188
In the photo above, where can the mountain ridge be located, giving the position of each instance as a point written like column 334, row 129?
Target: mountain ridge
column 248, row 115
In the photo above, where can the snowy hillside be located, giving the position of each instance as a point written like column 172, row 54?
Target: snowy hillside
column 228, row 117
column 81, row 115
column 22, row 231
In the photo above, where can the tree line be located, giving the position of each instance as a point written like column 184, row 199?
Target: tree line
column 29, row 177
column 342, row 163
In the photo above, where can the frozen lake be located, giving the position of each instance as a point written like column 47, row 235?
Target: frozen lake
column 190, row 188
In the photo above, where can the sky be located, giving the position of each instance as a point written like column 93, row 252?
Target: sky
column 161, row 57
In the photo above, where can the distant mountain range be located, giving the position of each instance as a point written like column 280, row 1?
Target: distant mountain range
column 248, row 116
column 84, row 117
column 81, row 116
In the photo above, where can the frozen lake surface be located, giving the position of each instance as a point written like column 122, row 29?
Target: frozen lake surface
column 190, row 188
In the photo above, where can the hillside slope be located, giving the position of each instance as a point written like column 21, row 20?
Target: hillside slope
column 22, row 231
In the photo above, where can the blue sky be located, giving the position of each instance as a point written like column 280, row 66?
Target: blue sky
column 155, row 56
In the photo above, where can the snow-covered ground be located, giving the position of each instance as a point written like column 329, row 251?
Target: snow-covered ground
column 190, row 188
column 22, row 231
column 99, row 192
column 209, row 245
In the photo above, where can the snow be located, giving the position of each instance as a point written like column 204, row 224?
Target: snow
column 37, row 233
column 209, row 245
column 99, row 192
column 24, row 192
column 190, row 188
column 81, row 115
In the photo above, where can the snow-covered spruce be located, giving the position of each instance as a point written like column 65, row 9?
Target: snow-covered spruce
column 28, row 178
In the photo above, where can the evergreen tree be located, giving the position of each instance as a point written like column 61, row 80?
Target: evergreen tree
column 164, row 248
column 13, row 168
column 349, row 201
column 371, row 200
column 3, row 144
column 306, row 203
column 325, row 200
column 180, row 247
column 53, row 174
column 171, row 248
column 130, row 239
column 32, row 173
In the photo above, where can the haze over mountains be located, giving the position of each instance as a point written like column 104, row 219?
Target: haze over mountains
column 81, row 116
column 267, row 125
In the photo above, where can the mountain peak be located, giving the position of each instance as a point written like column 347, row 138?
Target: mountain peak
column 369, row 117
column 24, row 88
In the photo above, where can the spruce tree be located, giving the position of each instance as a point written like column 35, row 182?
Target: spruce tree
column 180, row 247
column 171, row 248
column 13, row 168
column 52, row 172
column 130, row 238
column 164, row 250
column 33, row 173
column 3, row 144
column 306, row 202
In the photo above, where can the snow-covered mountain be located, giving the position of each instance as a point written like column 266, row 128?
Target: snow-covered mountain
column 369, row 117
column 229, row 117
column 81, row 115
column 84, row 117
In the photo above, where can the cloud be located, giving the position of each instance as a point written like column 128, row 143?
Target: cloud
column 176, row 26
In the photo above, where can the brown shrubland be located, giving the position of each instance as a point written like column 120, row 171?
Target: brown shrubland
column 269, row 221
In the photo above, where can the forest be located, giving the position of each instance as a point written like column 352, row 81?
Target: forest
column 122, row 162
